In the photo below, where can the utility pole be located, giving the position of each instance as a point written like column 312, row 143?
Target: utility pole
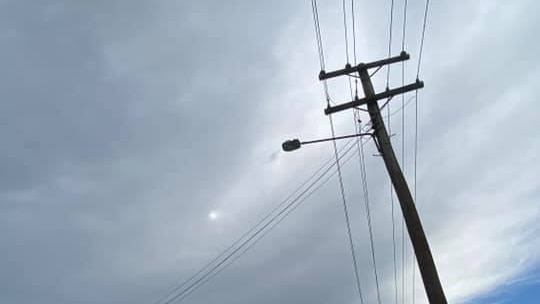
column 428, row 270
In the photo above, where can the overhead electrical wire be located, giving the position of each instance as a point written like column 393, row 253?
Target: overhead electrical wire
column 346, row 38
column 360, row 148
column 322, row 63
column 403, row 263
column 345, row 150
column 230, row 252
column 318, row 33
column 281, row 215
column 354, row 46
column 363, row 171
column 390, row 28
column 393, row 222
column 346, row 213
column 344, row 8
column 327, row 96
column 347, row 147
column 286, row 214
column 287, row 210
column 246, row 234
column 235, row 243
column 228, row 249
column 320, row 48
column 272, row 226
column 426, row 11
column 308, row 195
column 401, row 107
column 414, row 188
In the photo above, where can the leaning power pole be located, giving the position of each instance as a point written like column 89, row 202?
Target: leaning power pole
column 418, row 238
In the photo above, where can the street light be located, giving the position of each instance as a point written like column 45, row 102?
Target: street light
column 295, row 144
column 291, row 145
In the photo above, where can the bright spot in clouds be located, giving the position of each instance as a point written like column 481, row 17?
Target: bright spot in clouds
column 213, row 215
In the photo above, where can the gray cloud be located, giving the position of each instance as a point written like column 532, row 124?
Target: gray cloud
column 125, row 123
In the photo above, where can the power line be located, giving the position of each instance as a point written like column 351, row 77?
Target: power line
column 320, row 49
column 265, row 218
column 235, row 243
column 390, row 132
column 318, row 33
column 390, row 40
column 401, row 107
column 345, row 208
column 363, row 171
column 426, row 10
column 247, row 241
column 345, row 149
column 405, row 6
column 289, row 211
column 360, row 148
column 394, row 240
column 403, row 33
column 415, row 183
column 418, row 237
column 346, row 212
column 346, row 38
column 322, row 64
column 345, row 30
column 354, row 46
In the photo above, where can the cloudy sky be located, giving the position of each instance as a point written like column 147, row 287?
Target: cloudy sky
column 142, row 138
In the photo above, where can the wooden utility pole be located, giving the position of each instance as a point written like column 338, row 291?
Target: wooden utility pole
column 428, row 270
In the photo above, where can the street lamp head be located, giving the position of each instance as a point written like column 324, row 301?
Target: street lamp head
column 291, row 145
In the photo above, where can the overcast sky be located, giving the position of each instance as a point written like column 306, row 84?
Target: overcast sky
column 141, row 138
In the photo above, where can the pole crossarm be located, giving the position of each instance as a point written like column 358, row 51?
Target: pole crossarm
column 363, row 66
column 386, row 94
